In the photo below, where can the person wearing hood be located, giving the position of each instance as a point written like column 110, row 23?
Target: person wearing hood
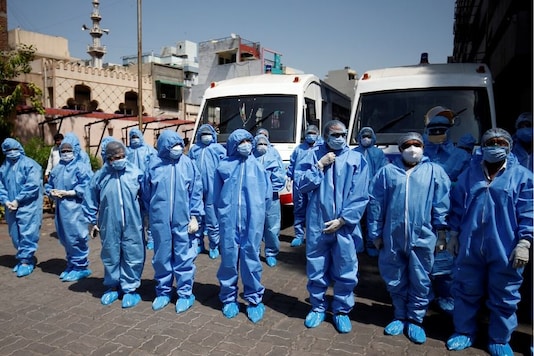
column 409, row 201
column 522, row 147
column 336, row 179
column 206, row 153
column 21, row 192
column 438, row 146
column 140, row 153
column 112, row 209
column 491, row 224
column 275, row 168
column 66, row 185
column 312, row 140
column 376, row 159
column 460, row 157
column 173, row 194
column 242, row 190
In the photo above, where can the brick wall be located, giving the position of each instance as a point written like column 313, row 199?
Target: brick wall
column 3, row 26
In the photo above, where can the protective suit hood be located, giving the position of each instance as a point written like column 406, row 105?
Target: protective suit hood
column 10, row 143
column 136, row 132
column 167, row 140
column 73, row 141
column 206, row 128
column 234, row 139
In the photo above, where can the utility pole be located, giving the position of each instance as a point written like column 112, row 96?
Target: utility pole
column 139, row 66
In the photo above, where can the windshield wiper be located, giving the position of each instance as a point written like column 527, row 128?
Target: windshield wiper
column 394, row 121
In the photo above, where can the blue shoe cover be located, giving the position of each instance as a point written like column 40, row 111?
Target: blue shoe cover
column 342, row 323
column 500, row 350
column 150, row 245
column 296, row 242
column 130, row 300
column 24, row 270
column 446, row 304
column 255, row 312
column 76, row 275
column 182, row 304
column 314, row 319
column 64, row 273
column 160, row 302
column 416, row 333
column 214, row 253
column 459, row 342
column 230, row 310
column 16, row 267
column 109, row 297
column 271, row 261
column 396, row 327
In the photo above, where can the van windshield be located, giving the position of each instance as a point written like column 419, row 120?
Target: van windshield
column 276, row 113
column 396, row 112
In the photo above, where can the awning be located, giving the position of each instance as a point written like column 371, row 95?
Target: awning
column 169, row 82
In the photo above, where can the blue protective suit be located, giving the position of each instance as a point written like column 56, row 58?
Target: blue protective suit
column 523, row 156
column 294, row 171
column 73, row 175
column 22, row 180
column 491, row 217
column 207, row 158
column 112, row 201
column 404, row 210
column 460, row 157
column 242, row 190
column 173, row 194
column 275, row 169
column 141, row 153
column 340, row 191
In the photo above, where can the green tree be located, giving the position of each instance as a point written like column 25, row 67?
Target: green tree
column 12, row 64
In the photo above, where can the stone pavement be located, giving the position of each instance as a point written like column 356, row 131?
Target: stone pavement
column 39, row 314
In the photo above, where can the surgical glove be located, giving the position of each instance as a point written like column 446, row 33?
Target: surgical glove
column 378, row 242
column 93, row 230
column 289, row 184
column 441, row 244
column 69, row 193
column 326, row 160
column 193, row 225
column 55, row 193
column 333, row 225
column 12, row 205
column 519, row 255
column 452, row 245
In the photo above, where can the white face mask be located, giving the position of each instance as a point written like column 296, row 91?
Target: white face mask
column 366, row 141
column 412, row 155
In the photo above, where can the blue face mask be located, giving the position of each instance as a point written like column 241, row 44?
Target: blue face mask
column 494, row 154
column 206, row 139
column 119, row 164
column 135, row 142
column 310, row 138
column 66, row 156
column 13, row 155
column 336, row 143
column 366, row 141
column 524, row 134
column 176, row 152
column 244, row 149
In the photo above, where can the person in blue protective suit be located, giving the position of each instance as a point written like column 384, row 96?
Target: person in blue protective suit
column 112, row 208
column 173, row 193
column 140, row 153
column 275, row 168
column 263, row 131
column 438, row 146
column 522, row 147
column 242, row 190
column 460, row 157
column 376, row 159
column 66, row 185
column 491, row 225
column 409, row 200
column 21, row 192
column 207, row 153
column 336, row 179
column 312, row 140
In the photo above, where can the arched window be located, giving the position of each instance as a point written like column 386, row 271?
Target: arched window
column 82, row 96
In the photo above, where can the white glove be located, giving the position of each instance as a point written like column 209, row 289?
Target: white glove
column 193, row 225
column 378, row 242
column 12, row 205
column 93, row 230
column 69, row 193
column 453, row 245
column 55, row 193
column 441, row 244
column 519, row 255
column 289, row 184
column 326, row 160
column 333, row 225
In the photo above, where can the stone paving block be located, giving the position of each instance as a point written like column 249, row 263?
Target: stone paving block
column 41, row 348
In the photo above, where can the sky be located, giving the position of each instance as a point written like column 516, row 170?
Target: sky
column 313, row 36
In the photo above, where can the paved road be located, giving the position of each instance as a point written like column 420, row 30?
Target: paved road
column 40, row 315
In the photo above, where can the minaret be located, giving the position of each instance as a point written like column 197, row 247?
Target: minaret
column 96, row 50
